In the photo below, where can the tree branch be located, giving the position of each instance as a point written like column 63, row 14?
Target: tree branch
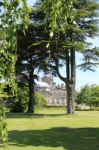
column 56, row 67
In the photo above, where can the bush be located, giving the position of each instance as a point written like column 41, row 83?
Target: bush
column 40, row 100
column 17, row 107
column 20, row 104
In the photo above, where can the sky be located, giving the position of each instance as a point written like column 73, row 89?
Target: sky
column 82, row 78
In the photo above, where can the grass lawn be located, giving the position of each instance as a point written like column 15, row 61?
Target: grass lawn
column 51, row 129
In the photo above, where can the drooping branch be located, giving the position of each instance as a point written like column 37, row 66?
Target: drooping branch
column 56, row 67
column 67, row 66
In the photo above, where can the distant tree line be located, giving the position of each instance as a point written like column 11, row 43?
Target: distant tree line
column 89, row 95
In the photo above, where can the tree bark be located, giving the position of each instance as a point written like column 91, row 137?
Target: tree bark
column 70, row 100
column 70, row 84
column 31, row 101
column 73, row 78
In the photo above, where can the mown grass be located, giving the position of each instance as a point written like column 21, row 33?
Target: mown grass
column 52, row 129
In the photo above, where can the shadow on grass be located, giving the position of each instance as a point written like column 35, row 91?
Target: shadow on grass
column 30, row 115
column 68, row 138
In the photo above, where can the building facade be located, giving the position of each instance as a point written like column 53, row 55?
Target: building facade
column 54, row 94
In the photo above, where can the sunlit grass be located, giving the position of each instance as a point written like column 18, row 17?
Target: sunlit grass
column 52, row 129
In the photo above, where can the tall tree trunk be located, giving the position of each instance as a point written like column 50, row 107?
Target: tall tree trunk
column 69, row 108
column 31, row 101
column 70, row 84
column 70, row 102
column 73, row 78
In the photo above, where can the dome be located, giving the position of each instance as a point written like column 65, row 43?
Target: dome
column 42, row 84
column 48, row 75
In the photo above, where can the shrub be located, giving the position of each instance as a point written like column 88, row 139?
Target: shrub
column 17, row 107
column 20, row 103
column 40, row 100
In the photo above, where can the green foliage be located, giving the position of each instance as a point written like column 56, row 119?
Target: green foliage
column 89, row 95
column 40, row 100
column 8, row 44
column 20, row 103
column 17, row 107
column 10, row 15
column 84, row 95
column 57, row 12
column 3, row 125
column 95, row 95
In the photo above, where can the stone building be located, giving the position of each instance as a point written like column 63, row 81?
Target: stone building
column 55, row 94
